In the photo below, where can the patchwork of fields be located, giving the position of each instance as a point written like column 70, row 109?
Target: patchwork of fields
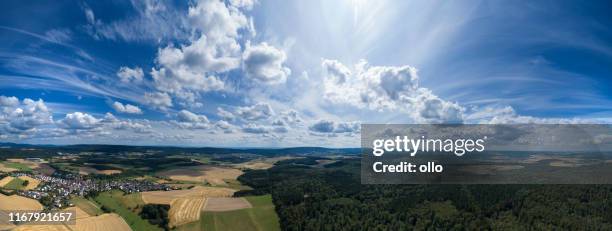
column 201, row 197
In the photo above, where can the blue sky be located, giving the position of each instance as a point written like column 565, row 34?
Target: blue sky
column 294, row 73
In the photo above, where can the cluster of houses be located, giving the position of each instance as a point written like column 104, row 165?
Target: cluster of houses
column 59, row 188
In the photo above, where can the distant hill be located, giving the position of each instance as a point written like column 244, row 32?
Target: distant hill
column 202, row 150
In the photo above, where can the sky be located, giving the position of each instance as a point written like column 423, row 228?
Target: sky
column 248, row 73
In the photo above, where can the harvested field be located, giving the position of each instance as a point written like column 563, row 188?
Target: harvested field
column 42, row 228
column 211, row 174
column 16, row 202
column 226, row 204
column 5, row 224
column 104, row 222
column 32, row 183
column 79, row 213
column 166, row 197
column 185, row 210
column 6, row 180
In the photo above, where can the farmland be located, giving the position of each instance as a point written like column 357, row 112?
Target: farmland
column 6, row 180
column 116, row 202
column 87, row 206
column 15, row 202
column 226, row 204
column 185, row 210
column 260, row 217
column 104, row 222
column 15, row 184
column 205, row 173
column 32, row 183
column 166, row 197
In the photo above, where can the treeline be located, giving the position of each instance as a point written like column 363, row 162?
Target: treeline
column 334, row 199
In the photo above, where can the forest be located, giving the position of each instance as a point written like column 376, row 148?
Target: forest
column 309, row 197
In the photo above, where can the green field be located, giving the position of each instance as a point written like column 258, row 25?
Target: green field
column 261, row 217
column 15, row 184
column 88, row 206
column 125, row 206
column 235, row 184
column 18, row 166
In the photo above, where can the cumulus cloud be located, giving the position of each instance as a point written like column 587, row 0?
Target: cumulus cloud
column 225, row 126
column 159, row 100
column 336, row 71
column 386, row 88
column 213, row 49
column 130, row 75
column 19, row 117
column 328, row 126
column 8, row 101
column 127, row 108
column 79, row 120
column 247, row 4
column 139, row 127
column 256, row 129
column 291, row 117
column 190, row 120
column 264, row 64
column 226, row 115
column 189, row 68
column 259, row 111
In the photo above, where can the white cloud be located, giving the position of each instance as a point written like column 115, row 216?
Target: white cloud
column 219, row 22
column 128, row 75
column 256, row 129
column 329, row 126
column 226, row 115
column 247, row 4
column 127, row 108
column 259, row 111
column 138, row 127
column 507, row 115
column 225, row 126
column 153, row 21
column 190, row 120
column 59, row 35
column 159, row 100
column 79, row 120
column 8, row 101
column 387, row 88
column 189, row 68
column 336, row 71
column 187, row 116
column 264, row 63
column 291, row 117
column 215, row 49
column 20, row 117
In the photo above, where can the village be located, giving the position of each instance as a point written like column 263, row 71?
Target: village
column 55, row 191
